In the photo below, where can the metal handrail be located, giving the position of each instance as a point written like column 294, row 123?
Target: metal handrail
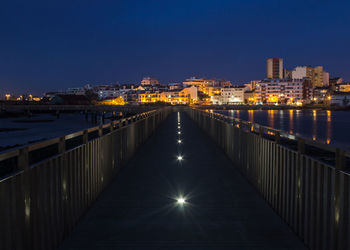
column 273, row 131
column 43, row 144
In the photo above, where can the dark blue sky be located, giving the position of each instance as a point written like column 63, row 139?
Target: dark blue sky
column 50, row 45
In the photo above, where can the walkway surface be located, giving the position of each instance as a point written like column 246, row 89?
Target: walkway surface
column 139, row 210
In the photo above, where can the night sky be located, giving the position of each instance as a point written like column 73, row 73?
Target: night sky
column 52, row 45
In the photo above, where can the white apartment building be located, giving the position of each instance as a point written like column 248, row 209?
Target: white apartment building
column 284, row 91
column 299, row 72
column 105, row 93
column 233, row 94
column 230, row 95
column 318, row 76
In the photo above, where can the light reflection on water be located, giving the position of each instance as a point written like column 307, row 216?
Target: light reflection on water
column 330, row 127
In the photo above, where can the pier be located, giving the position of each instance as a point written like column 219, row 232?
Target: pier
column 175, row 178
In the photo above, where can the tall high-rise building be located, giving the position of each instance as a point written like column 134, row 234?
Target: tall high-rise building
column 274, row 68
column 317, row 80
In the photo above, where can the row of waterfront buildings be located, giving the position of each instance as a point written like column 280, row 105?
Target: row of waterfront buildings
column 302, row 85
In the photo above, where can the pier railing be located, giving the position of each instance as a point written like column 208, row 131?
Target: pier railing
column 306, row 182
column 46, row 187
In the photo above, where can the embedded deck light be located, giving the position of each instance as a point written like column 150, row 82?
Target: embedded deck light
column 181, row 201
column 179, row 133
column 179, row 141
column 180, row 158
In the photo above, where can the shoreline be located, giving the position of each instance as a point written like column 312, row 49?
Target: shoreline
column 269, row 107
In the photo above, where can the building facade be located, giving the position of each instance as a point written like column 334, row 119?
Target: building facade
column 233, row 94
column 318, row 77
column 342, row 87
column 149, row 97
column 320, row 94
column 187, row 95
column 179, row 96
column 325, row 78
column 283, row 91
column 274, row 68
column 148, row 80
column 206, row 85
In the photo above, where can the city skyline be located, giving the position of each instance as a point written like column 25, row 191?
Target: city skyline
column 49, row 46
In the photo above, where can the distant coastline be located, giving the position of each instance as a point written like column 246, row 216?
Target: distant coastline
column 271, row 107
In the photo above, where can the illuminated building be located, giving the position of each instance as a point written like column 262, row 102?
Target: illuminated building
column 252, row 84
column 214, row 91
column 320, row 94
column 181, row 96
column 174, row 86
column 230, row 95
column 178, row 96
column 114, row 101
column 325, row 78
column 287, row 73
column 222, row 83
column 149, row 97
column 317, row 76
column 114, row 91
column 207, row 85
column 342, row 87
column 274, row 68
column 202, row 84
column 249, row 97
column 284, row 91
column 106, row 92
column 148, row 80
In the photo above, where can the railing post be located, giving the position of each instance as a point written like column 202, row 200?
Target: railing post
column 23, row 158
column 278, row 137
column 62, row 145
column 85, row 137
column 340, row 163
column 100, row 131
column 241, row 125
column 261, row 131
column 339, row 159
column 301, row 146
